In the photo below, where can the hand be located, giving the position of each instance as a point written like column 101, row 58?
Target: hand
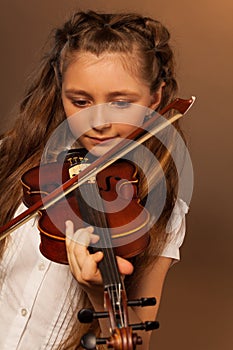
column 83, row 264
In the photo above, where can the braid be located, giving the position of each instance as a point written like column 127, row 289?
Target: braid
column 165, row 59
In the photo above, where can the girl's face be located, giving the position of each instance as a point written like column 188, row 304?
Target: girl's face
column 106, row 85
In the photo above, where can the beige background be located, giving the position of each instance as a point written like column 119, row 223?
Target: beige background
column 196, row 310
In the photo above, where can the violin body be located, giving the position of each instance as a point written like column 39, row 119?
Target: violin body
column 127, row 220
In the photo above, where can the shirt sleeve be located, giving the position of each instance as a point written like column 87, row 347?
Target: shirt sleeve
column 176, row 228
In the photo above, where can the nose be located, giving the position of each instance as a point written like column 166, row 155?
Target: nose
column 100, row 118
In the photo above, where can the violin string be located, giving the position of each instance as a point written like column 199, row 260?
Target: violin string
column 110, row 259
column 105, row 234
column 110, row 264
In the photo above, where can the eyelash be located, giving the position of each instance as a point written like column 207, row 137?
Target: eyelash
column 80, row 103
column 118, row 104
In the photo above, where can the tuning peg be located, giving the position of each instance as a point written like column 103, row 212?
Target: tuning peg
column 142, row 302
column 89, row 341
column 87, row 315
column 145, row 326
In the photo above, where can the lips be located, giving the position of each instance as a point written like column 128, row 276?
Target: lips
column 101, row 139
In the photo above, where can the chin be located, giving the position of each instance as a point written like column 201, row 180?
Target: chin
column 102, row 148
column 99, row 150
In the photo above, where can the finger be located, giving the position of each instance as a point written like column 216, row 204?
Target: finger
column 76, row 244
column 82, row 236
column 83, row 264
column 94, row 238
column 125, row 267
column 90, row 271
column 69, row 229
column 85, row 268
column 78, row 241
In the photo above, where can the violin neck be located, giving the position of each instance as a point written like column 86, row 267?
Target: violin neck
column 94, row 215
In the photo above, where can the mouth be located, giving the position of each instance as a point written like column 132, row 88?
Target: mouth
column 101, row 140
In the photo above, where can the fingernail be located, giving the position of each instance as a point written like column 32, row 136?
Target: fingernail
column 68, row 223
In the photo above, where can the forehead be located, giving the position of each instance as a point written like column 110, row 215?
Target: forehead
column 116, row 66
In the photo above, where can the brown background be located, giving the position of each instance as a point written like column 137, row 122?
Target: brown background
column 196, row 310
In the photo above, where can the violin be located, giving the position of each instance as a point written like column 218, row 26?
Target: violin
column 125, row 217
column 107, row 172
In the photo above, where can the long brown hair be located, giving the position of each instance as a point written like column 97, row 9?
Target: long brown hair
column 41, row 111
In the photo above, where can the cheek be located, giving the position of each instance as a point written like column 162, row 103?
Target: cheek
column 77, row 125
column 68, row 107
column 124, row 130
column 79, row 121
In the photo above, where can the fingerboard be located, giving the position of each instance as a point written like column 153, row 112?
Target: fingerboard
column 94, row 215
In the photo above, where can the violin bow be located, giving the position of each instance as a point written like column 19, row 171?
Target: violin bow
column 116, row 152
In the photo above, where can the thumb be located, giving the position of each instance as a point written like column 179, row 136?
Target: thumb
column 125, row 267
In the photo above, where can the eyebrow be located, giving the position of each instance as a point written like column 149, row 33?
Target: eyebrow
column 76, row 92
column 110, row 94
column 123, row 93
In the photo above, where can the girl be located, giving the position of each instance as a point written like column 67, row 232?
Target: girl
column 95, row 59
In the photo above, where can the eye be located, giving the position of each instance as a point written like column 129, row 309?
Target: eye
column 120, row 104
column 81, row 103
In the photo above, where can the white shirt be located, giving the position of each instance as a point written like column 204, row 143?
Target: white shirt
column 176, row 227
column 38, row 297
